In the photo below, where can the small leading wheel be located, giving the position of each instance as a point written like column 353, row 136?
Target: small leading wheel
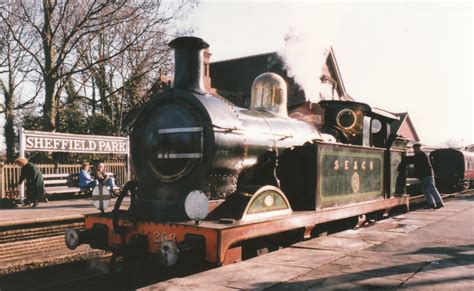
column 117, row 263
column 126, row 268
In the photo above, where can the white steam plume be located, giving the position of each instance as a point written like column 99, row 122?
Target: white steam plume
column 304, row 56
column 307, row 42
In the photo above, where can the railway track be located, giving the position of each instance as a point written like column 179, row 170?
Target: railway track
column 38, row 244
column 95, row 274
column 27, row 231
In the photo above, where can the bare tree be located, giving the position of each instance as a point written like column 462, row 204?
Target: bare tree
column 123, row 82
column 57, row 27
column 15, row 69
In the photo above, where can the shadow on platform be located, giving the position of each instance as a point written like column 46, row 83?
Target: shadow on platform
column 389, row 277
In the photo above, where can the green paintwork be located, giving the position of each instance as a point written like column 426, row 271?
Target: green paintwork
column 338, row 180
column 258, row 205
column 395, row 160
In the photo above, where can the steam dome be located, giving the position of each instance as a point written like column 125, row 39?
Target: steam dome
column 269, row 92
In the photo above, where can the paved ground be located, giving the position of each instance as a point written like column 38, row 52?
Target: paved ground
column 420, row 250
column 53, row 210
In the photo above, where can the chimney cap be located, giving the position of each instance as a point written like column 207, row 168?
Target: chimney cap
column 189, row 41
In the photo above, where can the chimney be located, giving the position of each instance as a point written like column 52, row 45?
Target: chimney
column 189, row 65
column 207, row 72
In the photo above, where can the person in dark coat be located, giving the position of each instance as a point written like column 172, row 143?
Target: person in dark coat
column 424, row 172
column 34, row 181
column 400, row 184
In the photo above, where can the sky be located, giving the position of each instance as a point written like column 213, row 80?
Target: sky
column 399, row 56
column 413, row 57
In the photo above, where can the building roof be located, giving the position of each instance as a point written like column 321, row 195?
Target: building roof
column 237, row 75
column 470, row 148
column 333, row 69
column 404, row 127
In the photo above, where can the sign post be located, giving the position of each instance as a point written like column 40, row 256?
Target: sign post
column 22, row 155
column 42, row 141
column 129, row 165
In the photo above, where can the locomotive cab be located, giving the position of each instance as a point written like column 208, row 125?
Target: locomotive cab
column 357, row 123
column 377, row 131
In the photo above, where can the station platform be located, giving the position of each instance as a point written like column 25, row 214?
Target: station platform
column 33, row 238
column 419, row 250
column 51, row 211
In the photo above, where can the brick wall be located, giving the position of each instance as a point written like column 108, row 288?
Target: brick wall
column 24, row 247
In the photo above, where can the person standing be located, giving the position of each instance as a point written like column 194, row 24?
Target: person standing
column 401, row 181
column 34, row 181
column 424, row 172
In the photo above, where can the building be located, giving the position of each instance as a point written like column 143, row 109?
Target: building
column 405, row 128
column 233, row 78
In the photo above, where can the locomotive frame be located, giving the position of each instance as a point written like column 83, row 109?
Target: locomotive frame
column 220, row 241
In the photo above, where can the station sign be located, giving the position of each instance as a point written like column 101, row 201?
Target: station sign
column 74, row 143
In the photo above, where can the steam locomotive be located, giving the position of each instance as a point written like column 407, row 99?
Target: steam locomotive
column 211, row 176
